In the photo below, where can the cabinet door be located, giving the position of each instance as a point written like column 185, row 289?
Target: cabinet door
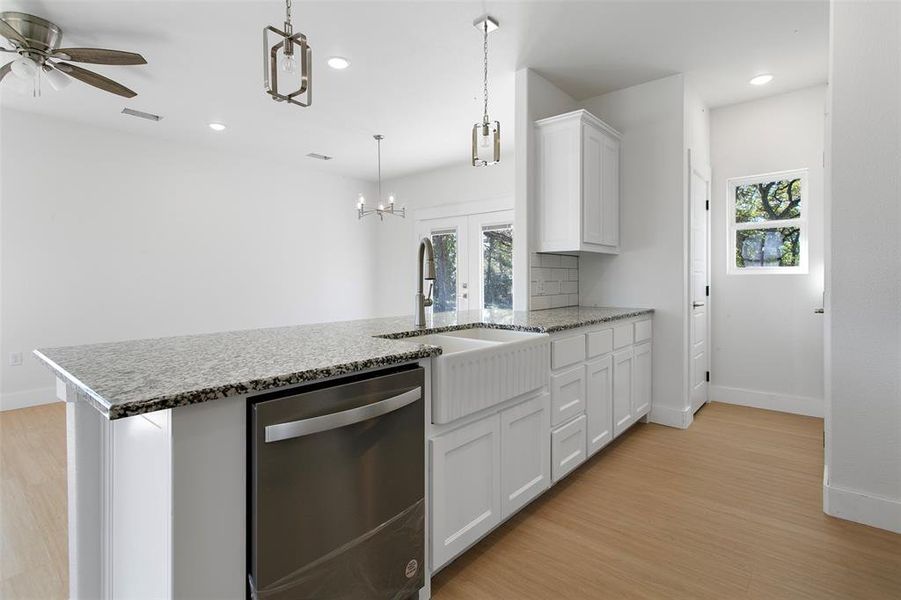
column 622, row 391
column 525, row 453
column 465, row 487
column 641, row 386
column 567, row 395
column 600, row 403
column 558, row 186
column 592, row 185
column 610, row 192
column 567, row 448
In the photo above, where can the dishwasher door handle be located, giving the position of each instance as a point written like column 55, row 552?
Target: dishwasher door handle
column 302, row 427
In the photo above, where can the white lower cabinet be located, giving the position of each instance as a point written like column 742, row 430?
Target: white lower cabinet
column 567, row 448
column 466, row 479
column 641, row 386
column 623, row 416
column 525, row 453
column 599, row 403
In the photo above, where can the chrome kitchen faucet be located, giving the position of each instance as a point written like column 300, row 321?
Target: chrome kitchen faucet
column 425, row 247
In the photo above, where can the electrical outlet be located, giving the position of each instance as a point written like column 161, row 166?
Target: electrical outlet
column 15, row 359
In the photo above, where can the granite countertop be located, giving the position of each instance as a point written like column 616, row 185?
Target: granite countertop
column 122, row 379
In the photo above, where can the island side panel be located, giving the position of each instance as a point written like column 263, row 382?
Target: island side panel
column 208, row 500
column 86, row 438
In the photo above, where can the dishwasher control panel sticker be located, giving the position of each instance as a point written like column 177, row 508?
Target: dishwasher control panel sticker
column 412, row 568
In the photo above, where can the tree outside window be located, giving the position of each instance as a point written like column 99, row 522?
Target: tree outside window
column 767, row 223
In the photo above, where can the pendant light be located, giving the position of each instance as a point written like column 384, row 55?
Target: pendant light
column 486, row 136
column 381, row 209
column 293, row 57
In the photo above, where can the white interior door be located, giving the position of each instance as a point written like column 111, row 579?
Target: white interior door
column 473, row 260
column 450, row 239
column 699, row 308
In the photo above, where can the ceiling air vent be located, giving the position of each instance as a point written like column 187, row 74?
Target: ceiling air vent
column 141, row 114
column 319, row 156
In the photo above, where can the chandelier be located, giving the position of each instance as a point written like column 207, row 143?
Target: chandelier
column 381, row 210
column 283, row 56
column 486, row 136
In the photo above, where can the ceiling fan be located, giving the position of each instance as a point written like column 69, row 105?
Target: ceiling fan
column 37, row 42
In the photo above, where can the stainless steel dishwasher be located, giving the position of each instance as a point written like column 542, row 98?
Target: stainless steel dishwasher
column 336, row 490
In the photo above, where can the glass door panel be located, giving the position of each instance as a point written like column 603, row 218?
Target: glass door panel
column 445, row 291
column 449, row 239
column 491, row 263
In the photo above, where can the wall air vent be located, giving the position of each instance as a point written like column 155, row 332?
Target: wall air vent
column 141, row 114
column 319, row 156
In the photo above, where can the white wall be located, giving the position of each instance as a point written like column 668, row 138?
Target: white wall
column 396, row 246
column 651, row 269
column 767, row 341
column 863, row 418
column 108, row 236
column 536, row 98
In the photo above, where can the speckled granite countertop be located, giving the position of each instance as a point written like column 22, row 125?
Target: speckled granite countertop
column 122, row 379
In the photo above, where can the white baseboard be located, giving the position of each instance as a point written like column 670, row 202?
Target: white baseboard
column 851, row 505
column 25, row 398
column 671, row 417
column 799, row 405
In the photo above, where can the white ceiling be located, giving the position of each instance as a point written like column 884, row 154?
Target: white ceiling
column 415, row 72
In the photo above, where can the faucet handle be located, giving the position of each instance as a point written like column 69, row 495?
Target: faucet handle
column 428, row 299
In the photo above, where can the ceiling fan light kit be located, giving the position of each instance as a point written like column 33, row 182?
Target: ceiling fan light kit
column 282, row 56
column 486, row 135
column 37, row 42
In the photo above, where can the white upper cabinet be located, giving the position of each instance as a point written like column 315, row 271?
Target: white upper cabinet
column 577, row 184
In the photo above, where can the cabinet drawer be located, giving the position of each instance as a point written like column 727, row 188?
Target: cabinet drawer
column 622, row 336
column 567, row 395
column 600, row 342
column 567, row 448
column 642, row 331
column 567, row 351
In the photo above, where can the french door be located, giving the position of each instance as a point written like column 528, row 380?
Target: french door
column 473, row 260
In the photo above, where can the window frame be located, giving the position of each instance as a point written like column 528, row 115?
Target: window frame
column 801, row 223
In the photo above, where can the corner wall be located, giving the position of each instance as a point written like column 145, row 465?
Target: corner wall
column 651, row 270
column 114, row 236
column 862, row 479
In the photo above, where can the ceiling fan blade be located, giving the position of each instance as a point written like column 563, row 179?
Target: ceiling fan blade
column 5, row 69
column 95, row 79
column 7, row 31
column 99, row 56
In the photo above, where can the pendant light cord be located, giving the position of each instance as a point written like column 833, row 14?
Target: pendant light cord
column 379, row 140
column 288, row 26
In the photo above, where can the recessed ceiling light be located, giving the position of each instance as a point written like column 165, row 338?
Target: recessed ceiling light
column 217, row 126
column 338, row 62
column 762, row 79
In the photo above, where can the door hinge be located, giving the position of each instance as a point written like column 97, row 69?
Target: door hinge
column 707, row 205
column 708, row 375
column 707, row 290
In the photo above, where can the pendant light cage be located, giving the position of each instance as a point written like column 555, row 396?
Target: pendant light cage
column 486, row 135
column 288, row 46
column 381, row 210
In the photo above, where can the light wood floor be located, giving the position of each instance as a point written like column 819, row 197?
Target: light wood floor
column 728, row 509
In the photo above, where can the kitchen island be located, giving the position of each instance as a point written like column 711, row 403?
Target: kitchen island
column 157, row 437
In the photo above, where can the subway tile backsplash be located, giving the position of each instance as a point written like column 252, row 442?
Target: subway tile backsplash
column 555, row 281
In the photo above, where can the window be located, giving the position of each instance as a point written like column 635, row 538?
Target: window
column 768, row 223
